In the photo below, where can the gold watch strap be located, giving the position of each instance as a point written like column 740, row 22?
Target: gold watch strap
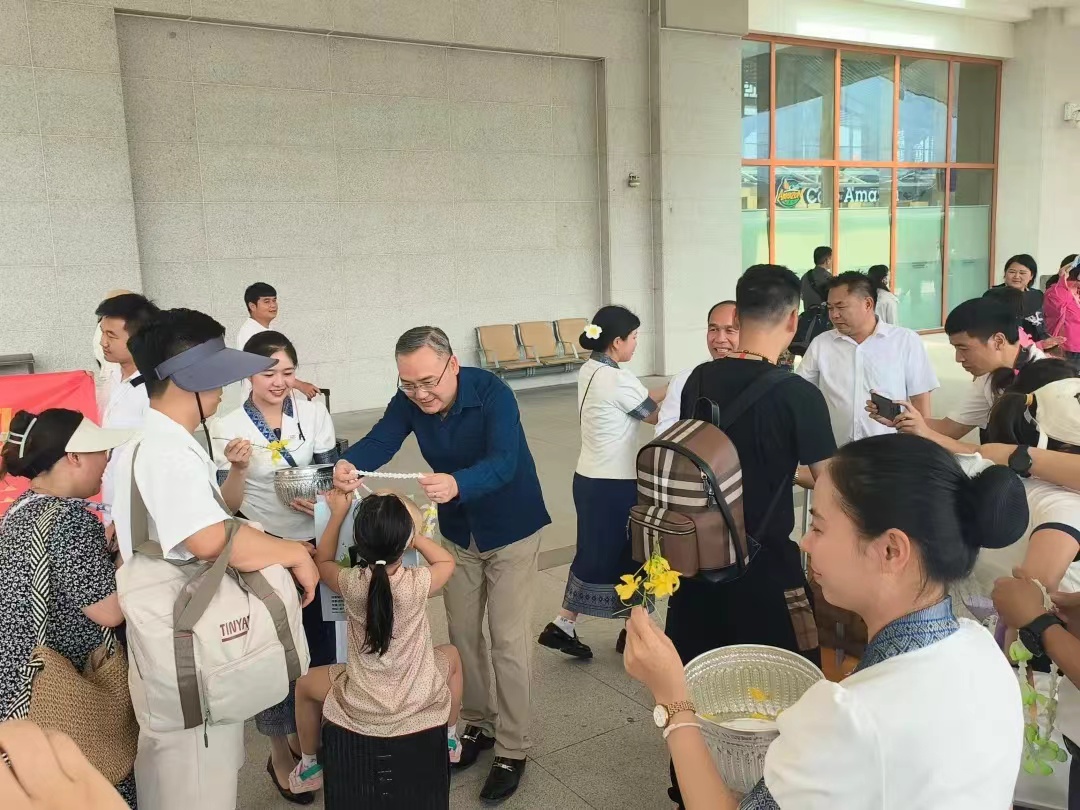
column 679, row 706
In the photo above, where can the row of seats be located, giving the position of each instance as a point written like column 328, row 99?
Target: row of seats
column 531, row 347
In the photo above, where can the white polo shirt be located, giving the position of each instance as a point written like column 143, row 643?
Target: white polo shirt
column 974, row 409
column 177, row 480
column 126, row 409
column 261, row 503
column 612, row 402
column 892, row 361
column 672, row 404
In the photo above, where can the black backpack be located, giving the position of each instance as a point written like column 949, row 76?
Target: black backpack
column 812, row 322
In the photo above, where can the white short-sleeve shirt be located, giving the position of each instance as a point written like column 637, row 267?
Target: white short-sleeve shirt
column 260, row 501
column 177, row 481
column 126, row 409
column 974, row 409
column 671, row 407
column 612, row 402
column 892, row 361
column 938, row 728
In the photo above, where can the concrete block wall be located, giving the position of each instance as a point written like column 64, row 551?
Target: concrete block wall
column 363, row 157
column 377, row 185
column 67, row 226
column 696, row 206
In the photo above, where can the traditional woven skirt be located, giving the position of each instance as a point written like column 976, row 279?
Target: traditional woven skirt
column 603, row 546
column 385, row 773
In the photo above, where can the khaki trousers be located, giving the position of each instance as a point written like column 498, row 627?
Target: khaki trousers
column 180, row 770
column 192, row 769
column 500, row 581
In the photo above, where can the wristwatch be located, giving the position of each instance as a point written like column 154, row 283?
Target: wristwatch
column 1031, row 635
column 662, row 715
column 1020, row 461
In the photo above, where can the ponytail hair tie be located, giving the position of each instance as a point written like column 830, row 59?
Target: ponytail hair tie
column 380, row 562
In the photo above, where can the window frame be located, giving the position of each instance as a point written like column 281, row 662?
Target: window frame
column 772, row 162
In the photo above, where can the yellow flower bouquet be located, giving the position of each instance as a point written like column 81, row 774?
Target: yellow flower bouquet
column 654, row 580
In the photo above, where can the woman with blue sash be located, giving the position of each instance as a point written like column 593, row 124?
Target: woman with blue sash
column 932, row 717
column 272, row 430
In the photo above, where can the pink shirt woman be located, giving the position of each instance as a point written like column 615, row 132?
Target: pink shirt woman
column 1062, row 309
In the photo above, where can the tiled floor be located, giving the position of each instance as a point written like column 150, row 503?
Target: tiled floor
column 594, row 745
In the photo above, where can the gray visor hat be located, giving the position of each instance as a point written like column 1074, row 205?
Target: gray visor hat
column 211, row 365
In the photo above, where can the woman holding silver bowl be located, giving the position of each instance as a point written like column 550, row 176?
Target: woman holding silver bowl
column 275, row 430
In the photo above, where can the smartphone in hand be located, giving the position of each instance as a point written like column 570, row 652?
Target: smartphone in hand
column 887, row 409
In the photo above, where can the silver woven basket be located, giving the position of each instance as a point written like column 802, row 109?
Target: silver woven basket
column 734, row 684
column 302, row 482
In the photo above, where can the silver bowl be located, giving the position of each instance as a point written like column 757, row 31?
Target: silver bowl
column 729, row 686
column 302, row 482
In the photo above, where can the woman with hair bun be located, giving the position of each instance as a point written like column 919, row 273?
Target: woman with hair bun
column 63, row 456
column 932, row 717
column 612, row 403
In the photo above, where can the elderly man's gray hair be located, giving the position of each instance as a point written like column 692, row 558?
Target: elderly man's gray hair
column 420, row 336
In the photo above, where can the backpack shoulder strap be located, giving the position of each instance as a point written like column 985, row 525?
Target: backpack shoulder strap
column 755, row 391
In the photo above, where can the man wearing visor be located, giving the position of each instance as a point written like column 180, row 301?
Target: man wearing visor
column 181, row 354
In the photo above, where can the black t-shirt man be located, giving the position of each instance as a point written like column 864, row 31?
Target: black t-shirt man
column 769, row 604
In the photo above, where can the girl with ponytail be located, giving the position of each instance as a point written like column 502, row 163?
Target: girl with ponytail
column 396, row 683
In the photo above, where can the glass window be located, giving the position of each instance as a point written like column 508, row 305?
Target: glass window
column 756, row 90
column 974, row 121
column 919, row 219
column 971, row 192
column 804, row 203
column 755, row 215
column 924, row 103
column 865, row 234
column 804, row 102
column 866, row 106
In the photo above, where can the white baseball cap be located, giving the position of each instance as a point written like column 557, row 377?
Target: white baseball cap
column 1058, row 412
column 89, row 438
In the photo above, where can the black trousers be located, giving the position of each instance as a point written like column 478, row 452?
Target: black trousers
column 1074, row 775
column 753, row 609
column 385, row 773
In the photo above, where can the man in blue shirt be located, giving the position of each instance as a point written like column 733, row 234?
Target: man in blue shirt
column 491, row 509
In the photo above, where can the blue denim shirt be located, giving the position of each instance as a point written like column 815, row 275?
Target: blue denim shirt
column 481, row 443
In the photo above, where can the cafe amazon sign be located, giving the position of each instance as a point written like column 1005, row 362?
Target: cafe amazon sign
column 791, row 192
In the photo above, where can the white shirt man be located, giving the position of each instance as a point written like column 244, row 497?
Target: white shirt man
column 722, row 339
column 863, row 355
column 126, row 402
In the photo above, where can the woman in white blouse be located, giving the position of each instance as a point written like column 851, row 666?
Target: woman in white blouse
column 888, row 305
column 612, row 402
column 932, row 717
column 275, row 428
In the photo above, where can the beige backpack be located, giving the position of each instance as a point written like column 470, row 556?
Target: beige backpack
column 207, row 644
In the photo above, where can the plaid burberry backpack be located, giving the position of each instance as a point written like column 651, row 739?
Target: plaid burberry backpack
column 690, row 489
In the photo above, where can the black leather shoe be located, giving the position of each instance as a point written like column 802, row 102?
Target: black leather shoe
column 555, row 638
column 503, row 780
column 473, row 741
column 620, row 645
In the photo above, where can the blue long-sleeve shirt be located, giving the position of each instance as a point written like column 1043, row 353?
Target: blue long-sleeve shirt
column 481, row 443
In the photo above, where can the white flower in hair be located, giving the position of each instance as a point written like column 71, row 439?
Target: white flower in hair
column 592, row 331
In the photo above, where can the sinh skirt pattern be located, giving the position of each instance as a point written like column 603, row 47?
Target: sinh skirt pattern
column 603, row 546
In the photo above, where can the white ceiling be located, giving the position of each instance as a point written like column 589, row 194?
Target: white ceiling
column 1002, row 10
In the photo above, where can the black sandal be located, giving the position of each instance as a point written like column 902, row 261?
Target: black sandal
column 286, row 794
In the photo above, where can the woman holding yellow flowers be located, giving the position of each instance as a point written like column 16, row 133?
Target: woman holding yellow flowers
column 273, row 429
column 931, row 718
column 612, row 404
